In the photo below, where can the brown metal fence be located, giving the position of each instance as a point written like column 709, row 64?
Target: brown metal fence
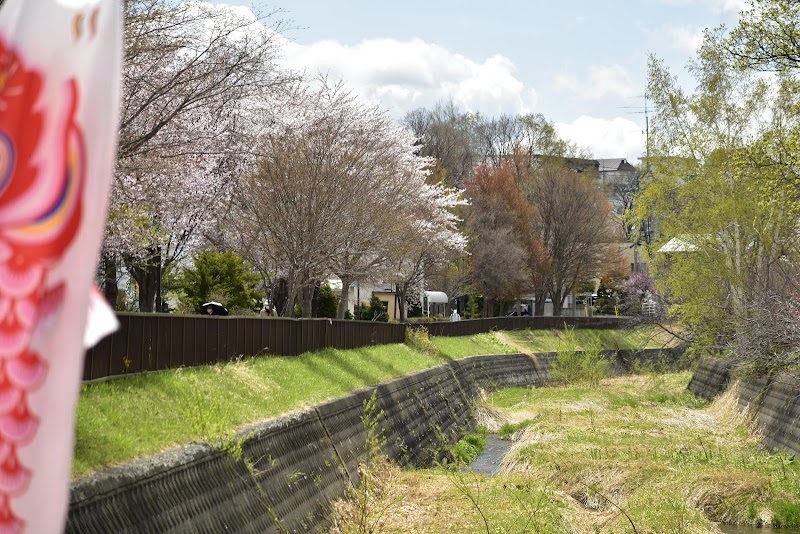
column 154, row 342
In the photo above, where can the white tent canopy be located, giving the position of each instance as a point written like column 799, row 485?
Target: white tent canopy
column 436, row 297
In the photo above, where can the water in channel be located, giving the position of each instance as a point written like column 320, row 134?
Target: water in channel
column 488, row 462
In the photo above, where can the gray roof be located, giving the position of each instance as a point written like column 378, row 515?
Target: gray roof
column 614, row 164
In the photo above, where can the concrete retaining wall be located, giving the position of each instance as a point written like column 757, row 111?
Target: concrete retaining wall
column 774, row 402
column 299, row 464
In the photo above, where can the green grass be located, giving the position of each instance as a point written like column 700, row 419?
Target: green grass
column 547, row 340
column 127, row 418
column 140, row 415
column 468, row 448
column 464, row 346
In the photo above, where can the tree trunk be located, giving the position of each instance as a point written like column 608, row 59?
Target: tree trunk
column 291, row 297
column 110, row 282
column 558, row 303
column 147, row 277
column 538, row 308
column 307, row 304
column 402, row 290
column 345, row 293
column 294, row 291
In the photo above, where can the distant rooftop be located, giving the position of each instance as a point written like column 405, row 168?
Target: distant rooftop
column 615, row 164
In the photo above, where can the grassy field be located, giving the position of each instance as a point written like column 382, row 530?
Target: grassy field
column 132, row 417
column 638, row 453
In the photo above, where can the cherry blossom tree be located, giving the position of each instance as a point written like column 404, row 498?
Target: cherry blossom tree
column 338, row 189
column 189, row 69
column 429, row 238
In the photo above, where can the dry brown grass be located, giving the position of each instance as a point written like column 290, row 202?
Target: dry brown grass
column 710, row 490
column 725, row 409
column 382, row 501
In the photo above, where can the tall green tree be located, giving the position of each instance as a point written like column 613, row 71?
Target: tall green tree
column 328, row 303
column 767, row 39
column 222, row 276
column 708, row 193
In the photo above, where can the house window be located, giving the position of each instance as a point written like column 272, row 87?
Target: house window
column 385, row 305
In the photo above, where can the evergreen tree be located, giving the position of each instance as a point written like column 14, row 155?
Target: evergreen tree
column 376, row 311
column 328, row 303
column 225, row 276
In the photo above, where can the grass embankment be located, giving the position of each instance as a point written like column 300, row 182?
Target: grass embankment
column 638, row 450
column 137, row 416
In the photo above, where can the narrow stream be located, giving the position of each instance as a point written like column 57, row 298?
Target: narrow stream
column 488, row 462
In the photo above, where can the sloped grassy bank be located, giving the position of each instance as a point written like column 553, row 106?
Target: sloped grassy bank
column 638, row 453
column 137, row 416
column 283, row 473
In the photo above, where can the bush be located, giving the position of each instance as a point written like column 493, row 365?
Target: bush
column 376, row 311
column 573, row 366
column 466, row 450
column 608, row 299
column 419, row 339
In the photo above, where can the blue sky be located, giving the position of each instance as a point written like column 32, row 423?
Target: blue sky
column 582, row 64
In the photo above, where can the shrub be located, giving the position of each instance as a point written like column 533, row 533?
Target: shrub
column 225, row 277
column 376, row 310
column 573, row 366
column 466, row 450
column 419, row 339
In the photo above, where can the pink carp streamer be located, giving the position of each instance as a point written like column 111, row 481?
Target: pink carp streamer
column 44, row 188
column 39, row 217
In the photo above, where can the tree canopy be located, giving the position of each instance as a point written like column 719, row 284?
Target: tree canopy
column 721, row 182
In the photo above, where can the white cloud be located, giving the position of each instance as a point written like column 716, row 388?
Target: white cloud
column 409, row 74
column 684, row 38
column 730, row 7
column 601, row 81
column 606, row 138
column 719, row 7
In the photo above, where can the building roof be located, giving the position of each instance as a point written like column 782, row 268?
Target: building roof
column 678, row 244
column 615, row 164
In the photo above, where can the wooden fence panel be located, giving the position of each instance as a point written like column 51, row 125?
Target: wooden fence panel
column 150, row 342
column 137, row 349
column 162, row 340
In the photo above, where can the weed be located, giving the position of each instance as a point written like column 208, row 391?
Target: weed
column 508, row 430
column 467, row 449
column 419, row 339
column 468, row 484
column 786, row 514
column 369, row 503
column 573, row 366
